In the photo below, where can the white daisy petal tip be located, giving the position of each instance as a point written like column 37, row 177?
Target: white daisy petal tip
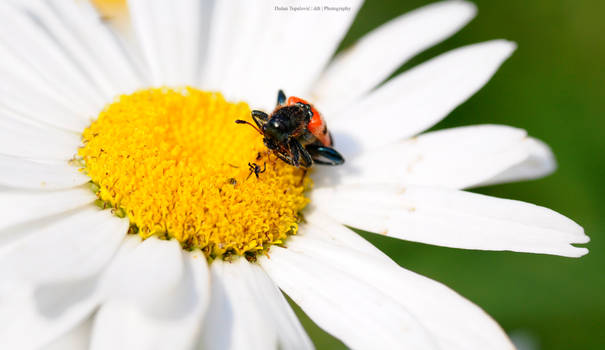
column 544, row 153
column 452, row 218
column 469, row 7
column 493, row 53
column 539, row 162
column 464, row 10
column 578, row 252
column 506, row 47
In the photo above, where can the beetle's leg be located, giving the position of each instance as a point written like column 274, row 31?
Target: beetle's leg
column 260, row 118
column 307, row 159
column 301, row 156
column 251, row 168
column 281, row 97
column 295, row 155
column 324, row 155
column 283, row 157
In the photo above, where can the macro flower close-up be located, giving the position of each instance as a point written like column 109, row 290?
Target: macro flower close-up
column 151, row 198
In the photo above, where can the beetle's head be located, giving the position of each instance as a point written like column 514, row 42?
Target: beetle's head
column 275, row 133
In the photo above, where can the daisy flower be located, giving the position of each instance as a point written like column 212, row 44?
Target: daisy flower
column 130, row 218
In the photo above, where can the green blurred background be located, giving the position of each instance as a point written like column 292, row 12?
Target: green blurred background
column 553, row 86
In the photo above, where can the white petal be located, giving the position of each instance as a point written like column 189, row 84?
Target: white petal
column 284, row 53
column 236, row 318
column 143, row 24
column 170, row 35
column 419, row 98
column 193, row 18
column 21, row 173
column 151, row 283
column 541, row 162
column 371, row 60
column 452, row 218
column 96, row 43
column 19, row 86
column 358, row 313
column 290, row 333
column 246, row 296
column 29, row 140
column 73, row 247
column 234, row 32
column 68, row 23
column 453, row 158
column 32, row 318
column 77, row 338
column 178, row 299
column 17, row 207
column 29, row 41
column 451, row 320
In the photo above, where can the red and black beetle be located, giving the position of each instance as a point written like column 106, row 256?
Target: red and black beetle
column 296, row 133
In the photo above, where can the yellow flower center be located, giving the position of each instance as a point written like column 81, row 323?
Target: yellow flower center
column 176, row 164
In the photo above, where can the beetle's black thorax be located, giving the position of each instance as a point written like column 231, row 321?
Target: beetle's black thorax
column 289, row 119
column 284, row 123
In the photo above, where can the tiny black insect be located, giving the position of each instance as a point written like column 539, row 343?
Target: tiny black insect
column 255, row 169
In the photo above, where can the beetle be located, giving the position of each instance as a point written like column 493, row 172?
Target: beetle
column 296, row 133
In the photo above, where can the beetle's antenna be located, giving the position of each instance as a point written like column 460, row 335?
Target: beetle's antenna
column 239, row 121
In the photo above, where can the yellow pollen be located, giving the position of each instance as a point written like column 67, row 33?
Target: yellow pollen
column 176, row 164
column 111, row 8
